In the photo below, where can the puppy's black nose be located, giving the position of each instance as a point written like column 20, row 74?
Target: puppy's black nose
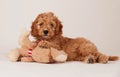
column 45, row 32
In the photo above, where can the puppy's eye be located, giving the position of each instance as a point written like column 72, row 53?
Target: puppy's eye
column 52, row 25
column 40, row 24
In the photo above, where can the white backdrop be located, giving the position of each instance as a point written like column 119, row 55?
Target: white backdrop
column 97, row 20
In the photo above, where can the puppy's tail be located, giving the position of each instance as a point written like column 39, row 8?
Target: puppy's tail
column 113, row 58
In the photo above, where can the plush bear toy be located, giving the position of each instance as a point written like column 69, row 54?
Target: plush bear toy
column 36, row 51
column 46, row 54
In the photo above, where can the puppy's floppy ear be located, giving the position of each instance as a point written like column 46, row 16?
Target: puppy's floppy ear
column 34, row 31
column 58, row 26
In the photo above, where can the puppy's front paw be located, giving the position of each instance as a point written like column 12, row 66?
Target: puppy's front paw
column 44, row 44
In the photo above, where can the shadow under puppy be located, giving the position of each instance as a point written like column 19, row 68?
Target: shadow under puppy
column 48, row 27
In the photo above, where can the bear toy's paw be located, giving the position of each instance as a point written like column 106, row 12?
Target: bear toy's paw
column 61, row 58
column 14, row 55
column 58, row 55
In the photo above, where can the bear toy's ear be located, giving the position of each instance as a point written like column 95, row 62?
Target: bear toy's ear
column 26, row 32
column 24, row 40
column 24, row 35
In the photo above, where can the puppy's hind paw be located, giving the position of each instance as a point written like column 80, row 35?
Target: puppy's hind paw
column 90, row 60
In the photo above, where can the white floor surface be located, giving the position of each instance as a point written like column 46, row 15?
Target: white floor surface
column 68, row 69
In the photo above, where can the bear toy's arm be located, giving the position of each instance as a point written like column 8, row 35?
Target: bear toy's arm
column 41, row 53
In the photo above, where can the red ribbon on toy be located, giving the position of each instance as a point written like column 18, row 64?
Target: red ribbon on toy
column 30, row 52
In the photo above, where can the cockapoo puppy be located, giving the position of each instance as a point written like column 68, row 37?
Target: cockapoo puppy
column 48, row 27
